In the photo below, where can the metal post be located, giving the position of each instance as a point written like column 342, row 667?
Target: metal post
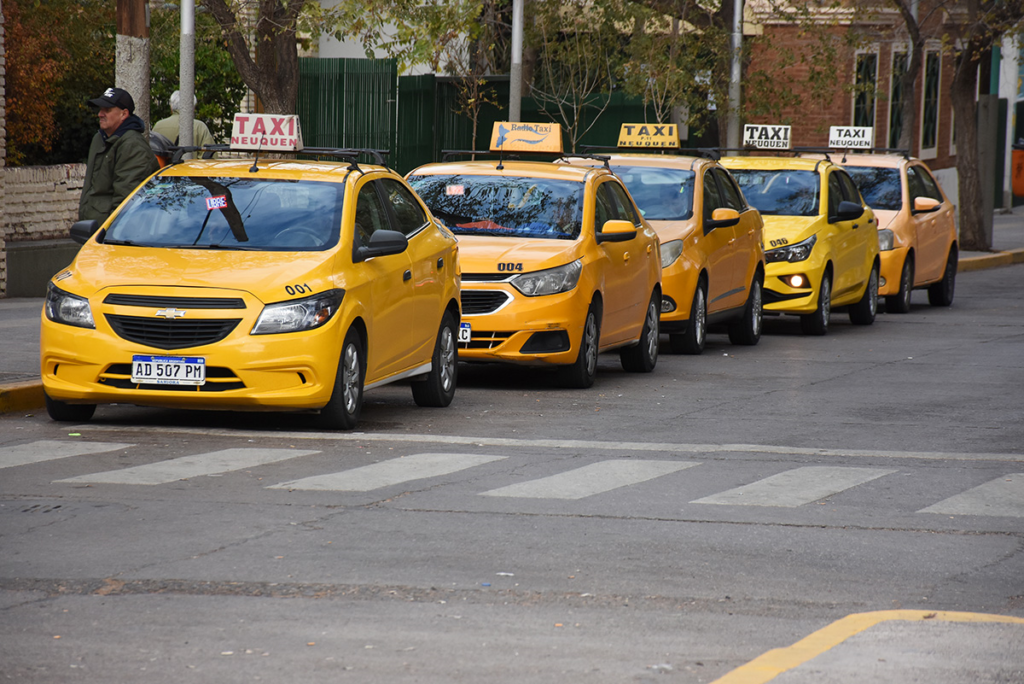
column 515, row 86
column 187, row 74
column 735, row 87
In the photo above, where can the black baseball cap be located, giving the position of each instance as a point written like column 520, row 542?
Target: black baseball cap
column 115, row 97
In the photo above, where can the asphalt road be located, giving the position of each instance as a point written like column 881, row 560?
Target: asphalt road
column 859, row 496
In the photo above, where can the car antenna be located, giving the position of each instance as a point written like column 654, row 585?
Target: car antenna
column 256, row 157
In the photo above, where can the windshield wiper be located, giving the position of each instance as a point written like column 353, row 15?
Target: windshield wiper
column 120, row 242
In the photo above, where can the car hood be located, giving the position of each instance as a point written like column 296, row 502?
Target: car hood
column 885, row 217
column 483, row 254
column 673, row 230
column 793, row 229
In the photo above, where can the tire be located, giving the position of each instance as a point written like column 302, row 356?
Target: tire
column 900, row 302
column 864, row 311
column 643, row 357
column 746, row 329
column 582, row 373
column 68, row 413
column 941, row 293
column 438, row 388
column 342, row 411
column 692, row 341
column 817, row 323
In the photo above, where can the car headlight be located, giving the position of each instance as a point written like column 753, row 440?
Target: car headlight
column 299, row 314
column 886, row 238
column 670, row 251
column 798, row 252
column 64, row 307
column 549, row 281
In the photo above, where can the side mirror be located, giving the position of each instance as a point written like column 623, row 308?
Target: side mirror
column 382, row 243
column 81, row 231
column 926, row 204
column 721, row 218
column 848, row 211
column 616, row 231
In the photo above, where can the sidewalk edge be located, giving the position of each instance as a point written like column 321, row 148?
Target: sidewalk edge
column 21, row 396
column 994, row 260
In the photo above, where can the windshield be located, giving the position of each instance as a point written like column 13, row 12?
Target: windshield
column 880, row 187
column 231, row 213
column 504, row 206
column 661, row 194
column 783, row 192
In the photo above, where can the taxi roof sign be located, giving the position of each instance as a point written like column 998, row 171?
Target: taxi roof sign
column 851, row 137
column 649, row 135
column 266, row 133
column 526, row 137
column 767, row 136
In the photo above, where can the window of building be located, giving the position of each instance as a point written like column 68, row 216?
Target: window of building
column 864, row 93
column 899, row 68
column 930, row 105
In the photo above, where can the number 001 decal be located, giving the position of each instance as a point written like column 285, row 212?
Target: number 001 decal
column 298, row 289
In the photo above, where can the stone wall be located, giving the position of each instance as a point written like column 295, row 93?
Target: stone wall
column 41, row 201
column 3, row 154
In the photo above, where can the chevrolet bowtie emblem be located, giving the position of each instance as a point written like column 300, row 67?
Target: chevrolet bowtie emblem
column 170, row 313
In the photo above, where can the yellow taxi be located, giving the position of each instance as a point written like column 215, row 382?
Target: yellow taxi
column 558, row 263
column 712, row 258
column 821, row 242
column 256, row 284
column 916, row 227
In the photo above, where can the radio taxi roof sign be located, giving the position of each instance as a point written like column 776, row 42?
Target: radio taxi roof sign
column 526, row 137
column 851, row 137
column 266, row 133
column 767, row 136
column 649, row 135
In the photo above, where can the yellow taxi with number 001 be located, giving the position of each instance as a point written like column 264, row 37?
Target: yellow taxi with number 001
column 256, row 284
column 712, row 257
column 821, row 242
column 558, row 263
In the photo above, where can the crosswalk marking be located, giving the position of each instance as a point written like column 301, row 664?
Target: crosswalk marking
column 1003, row 496
column 796, row 487
column 591, row 479
column 51, row 450
column 390, row 472
column 187, row 467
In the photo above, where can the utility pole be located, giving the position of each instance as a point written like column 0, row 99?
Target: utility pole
column 187, row 74
column 132, row 65
column 515, row 86
column 732, row 139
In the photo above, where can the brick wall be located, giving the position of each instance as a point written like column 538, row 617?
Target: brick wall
column 41, row 201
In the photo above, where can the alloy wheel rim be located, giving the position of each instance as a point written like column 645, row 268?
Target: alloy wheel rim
column 447, row 359
column 700, row 323
column 826, row 300
column 350, row 378
column 652, row 331
column 873, row 291
column 756, row 311
column 590, row 340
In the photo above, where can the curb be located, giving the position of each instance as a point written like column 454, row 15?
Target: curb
column 994, row 260
column 21, row 396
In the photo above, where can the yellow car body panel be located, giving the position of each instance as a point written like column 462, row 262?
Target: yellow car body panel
column 395, row 301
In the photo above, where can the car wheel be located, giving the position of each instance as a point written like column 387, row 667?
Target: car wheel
column 817, row 323
column 746, row 330
column 67, row 413
column 692, row 341
column 438, row 388
column 342, row 411
column 643, row 357
column 900, row 302
column 941, row 293
column 581, row 374
column 864, row 311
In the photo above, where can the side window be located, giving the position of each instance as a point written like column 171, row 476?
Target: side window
column 914, row 184
column 730, row 193
column 624, row 207
column 370, row 215
column 835, row 193
column 604, row 210
column 712, row 198
column 931, row 188
column 408, row 213
column 850, row 191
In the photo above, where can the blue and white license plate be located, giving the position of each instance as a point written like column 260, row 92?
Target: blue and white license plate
column 465, row 332
column 168, row 370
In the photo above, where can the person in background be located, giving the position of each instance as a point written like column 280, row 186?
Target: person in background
column 169, row 127
column 119, row 156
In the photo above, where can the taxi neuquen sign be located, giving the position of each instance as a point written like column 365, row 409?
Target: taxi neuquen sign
column 649, row 135
column 851, row 137
column 266, row 133
column 526, row 137
column 766, row 136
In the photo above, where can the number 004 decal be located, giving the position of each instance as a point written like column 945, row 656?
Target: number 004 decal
column 510, row 266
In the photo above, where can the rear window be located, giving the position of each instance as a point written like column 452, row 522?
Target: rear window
column 880, row 187
column 780, row 192
column 231, row 213
column 660, row 194
column 505, row 206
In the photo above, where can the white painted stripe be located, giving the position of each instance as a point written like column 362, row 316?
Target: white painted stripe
column 591, row 479
column 187, row 467
column 581, row 445
column 51, row 450
column 795, row 487
column 388, row 473
column 1003, row 496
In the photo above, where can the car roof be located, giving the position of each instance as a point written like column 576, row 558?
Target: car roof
column 775, row 163
column 673, row 161
column 278, row 169
column 892, row 161
column 511, row 168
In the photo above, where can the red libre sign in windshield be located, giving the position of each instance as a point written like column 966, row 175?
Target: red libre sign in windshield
column 266, row 133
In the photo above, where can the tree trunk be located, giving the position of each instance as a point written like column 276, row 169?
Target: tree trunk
column 965, row 81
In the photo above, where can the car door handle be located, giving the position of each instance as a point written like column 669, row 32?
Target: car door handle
column 625, row 257
column 440, row 263
column 407, row 276
column 732, row 240
column 856, row 226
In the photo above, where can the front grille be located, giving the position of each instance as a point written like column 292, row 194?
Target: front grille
column 485, row 277
column 175, row 302
column 218, row 379
column 486, row 339
column 482, row 301
column 174, row 333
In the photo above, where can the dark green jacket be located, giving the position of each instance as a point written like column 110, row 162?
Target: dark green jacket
column 116, row 166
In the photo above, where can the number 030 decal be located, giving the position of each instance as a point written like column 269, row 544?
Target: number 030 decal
column 298, row 289
column 510, row 266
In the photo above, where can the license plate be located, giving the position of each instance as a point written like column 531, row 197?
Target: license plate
column 168, row 370
column 465, row 332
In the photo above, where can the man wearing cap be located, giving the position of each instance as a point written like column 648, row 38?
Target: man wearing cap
column 119, row 156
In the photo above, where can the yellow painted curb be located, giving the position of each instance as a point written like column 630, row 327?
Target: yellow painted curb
column 978, row 263
column 21, row 396
column 770, row 665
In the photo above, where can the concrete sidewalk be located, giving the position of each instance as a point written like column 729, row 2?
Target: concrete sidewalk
column 21, row 389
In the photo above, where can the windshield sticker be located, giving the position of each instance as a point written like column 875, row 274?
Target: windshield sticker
column 455, row 190
column 218, row 202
